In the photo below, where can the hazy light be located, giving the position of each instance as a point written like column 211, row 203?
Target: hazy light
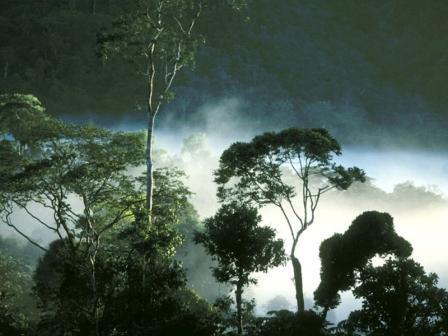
column 424, row 225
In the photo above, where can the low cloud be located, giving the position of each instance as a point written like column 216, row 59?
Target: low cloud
column 420, row 212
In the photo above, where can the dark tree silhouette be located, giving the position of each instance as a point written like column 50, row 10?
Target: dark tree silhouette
column 343, row 255
column 258, row 168
column 399, row 298
column 287, row 323
column 241, row 247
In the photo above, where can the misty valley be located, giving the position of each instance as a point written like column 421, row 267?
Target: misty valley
column 223, row 168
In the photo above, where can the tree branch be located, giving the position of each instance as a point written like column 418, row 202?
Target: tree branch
column 287, row 220
column 8, row 222
column 35, row 217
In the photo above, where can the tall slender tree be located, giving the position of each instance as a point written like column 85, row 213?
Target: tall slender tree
column 256, row 171
column 159, row 37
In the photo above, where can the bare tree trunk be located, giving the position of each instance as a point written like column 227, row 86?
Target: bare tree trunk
column 239, row 312
column 297, row 267
column 149, row 163
column 93, row 7
column 398, row 321
column 94, row 293
column 152, row 113
column 93, row 243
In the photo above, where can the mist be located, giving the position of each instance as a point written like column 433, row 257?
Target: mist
column 419, row 210
column 411, row 185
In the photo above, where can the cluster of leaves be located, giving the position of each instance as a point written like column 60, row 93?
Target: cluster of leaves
column 17, row 308
column 137, row 294
column 234, row 238
column 287, row 323
column 399, row 298
column 260, row 161
column 45, row 162
column 140, row 288
column 342, row 255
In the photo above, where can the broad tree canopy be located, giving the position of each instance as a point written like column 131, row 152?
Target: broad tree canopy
column 398, row 298
column 260, row 166
column 343, row 255
column 234, row 238
column 77, row 173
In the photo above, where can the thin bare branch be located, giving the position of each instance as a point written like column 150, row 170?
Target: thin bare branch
column 7, row 221
column 295, row 212
column 40, row 221
column 288, row 221
column 179, row 24
column 120, row 216
column 294, row 167
column 195, row 18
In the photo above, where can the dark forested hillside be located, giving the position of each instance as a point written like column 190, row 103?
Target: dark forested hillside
column 380, row 64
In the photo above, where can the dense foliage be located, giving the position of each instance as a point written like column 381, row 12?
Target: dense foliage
column 399, row 298
column 342, row 255
column 365, row 70
column 241, row 247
